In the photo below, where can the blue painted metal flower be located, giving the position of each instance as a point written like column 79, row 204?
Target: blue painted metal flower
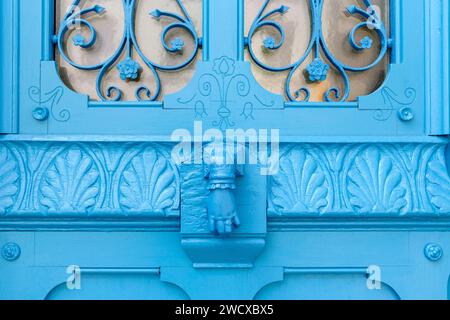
column 129, row 69
column 317, row 70
column 269, row 43
column 78, row 40
column 366, row 42
column 224, row 66
column 177, row 44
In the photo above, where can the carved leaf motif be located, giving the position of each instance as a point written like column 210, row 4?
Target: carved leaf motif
column 148, row 183
column 300, row 186
column 71, row 183
column 438, row 184
column 9, row 178
column 375, row 184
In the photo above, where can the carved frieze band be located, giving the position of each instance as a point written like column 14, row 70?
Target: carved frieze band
column 374, row 180
column 87, row 179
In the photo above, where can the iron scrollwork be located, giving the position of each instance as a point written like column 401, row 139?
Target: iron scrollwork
column 318, row 69
column 128, row 68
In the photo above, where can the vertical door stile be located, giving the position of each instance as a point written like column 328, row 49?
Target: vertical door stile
column 9, row 29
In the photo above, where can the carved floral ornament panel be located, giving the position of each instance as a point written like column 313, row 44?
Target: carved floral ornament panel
column 306, row 50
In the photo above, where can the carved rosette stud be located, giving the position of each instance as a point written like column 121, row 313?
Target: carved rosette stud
column 222, row 212
column 406, row 114
column 11, row 251
column 433, row 252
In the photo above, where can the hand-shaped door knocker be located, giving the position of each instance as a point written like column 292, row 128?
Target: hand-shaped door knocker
column 222, row 211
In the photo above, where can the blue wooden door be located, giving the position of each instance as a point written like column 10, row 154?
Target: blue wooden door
column 225, row 188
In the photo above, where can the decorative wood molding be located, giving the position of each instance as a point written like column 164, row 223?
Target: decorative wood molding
column 111, row 179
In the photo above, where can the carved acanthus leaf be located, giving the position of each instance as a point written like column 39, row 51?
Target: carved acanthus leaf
column 301, row 185
column 9, row 178
column 375, row 184
column 438, row 184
